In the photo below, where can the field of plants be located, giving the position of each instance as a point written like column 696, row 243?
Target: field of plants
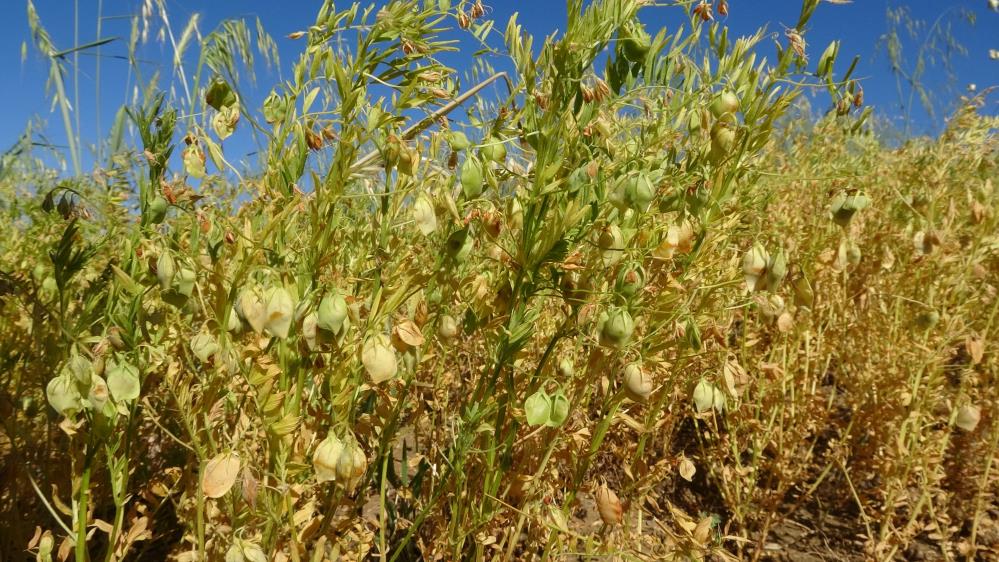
column 620, row 293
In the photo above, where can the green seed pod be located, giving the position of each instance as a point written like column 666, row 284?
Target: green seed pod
column 538, row 408
column 448, row 327
column 379, row 358
column 471, row 178
column 49, row 286
column 123, row 382
column 326, row 457
column 776, row 270
column 332, row 312
column 63, row 396
column 617, row 328
column 460, row 244
column 630, row 281
column 165, row 270
column 458, row 140
column 80, row 369
column 184, row 282
column 204, row 346
column 559, row 411
column 827, row 59
column 724, row 104
column 275, row 108
column 640, row 192
column 280, row 312
column 618, row 194
column 565, row 368
column 845, row 206
column 493, row 149
column 158, row 209
column 635, row 41
column 722, row 141
column 927, row 320
column 637, row 383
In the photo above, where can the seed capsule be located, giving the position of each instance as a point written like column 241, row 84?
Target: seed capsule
column 637, row 383
column 351, row 465
column 609, row 506
column 724, row 104
column 165, row 270
column 635, row 41
column 332, row 312
column 471, row 178
column 448, row 328
column 968, row 417
column 280, row 310
column 617, row 328
column 379, row 359
column 326, row 457
column 494, row 149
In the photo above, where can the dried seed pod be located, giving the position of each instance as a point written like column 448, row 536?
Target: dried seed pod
column 250, row 305
column 379, row 359
column 609, row 506
column 754, row 265
column 968, row 417
column 406, row 335
column 611, row 243
column 326, row 457
column 637, row 383
column 351, row 465
column 423, row 214
column 280, row 311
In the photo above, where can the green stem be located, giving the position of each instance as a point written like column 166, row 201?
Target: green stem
column 82, row 507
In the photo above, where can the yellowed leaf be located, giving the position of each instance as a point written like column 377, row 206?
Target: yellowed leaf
column 220, row 474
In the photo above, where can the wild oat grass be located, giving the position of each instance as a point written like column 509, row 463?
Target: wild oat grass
column 597, row 296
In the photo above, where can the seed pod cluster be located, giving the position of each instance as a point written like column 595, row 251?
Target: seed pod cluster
column 763, row 271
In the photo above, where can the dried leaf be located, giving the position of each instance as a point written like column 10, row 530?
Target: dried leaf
column 220, row 474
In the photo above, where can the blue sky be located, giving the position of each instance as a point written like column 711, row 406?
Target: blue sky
column 858, row 25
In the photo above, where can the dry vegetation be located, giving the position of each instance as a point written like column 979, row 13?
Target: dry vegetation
column 643, row 310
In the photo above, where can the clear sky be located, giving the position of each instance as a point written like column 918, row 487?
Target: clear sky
column 859, row 25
